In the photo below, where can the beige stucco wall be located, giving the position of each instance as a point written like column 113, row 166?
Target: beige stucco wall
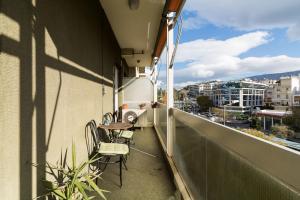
column 56, row 57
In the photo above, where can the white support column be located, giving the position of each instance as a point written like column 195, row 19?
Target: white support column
column 155, row 93
column 155, row 84
column 170, row 82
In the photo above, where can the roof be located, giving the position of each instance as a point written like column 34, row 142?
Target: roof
column 273, row 113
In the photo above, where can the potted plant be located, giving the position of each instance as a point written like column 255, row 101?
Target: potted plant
column 72, row 182
column 142, row 105
column 155, row 105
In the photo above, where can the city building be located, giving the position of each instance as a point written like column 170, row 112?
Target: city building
column 192, row 91
column 286, row 91
column 238, row 96
column 206, row 88
column 296, row 98
column 268, row 91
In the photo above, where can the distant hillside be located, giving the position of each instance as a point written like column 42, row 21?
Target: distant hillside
column 275, row 76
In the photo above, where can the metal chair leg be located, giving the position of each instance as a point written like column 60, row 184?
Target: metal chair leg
column 121, row 161
column 107, row 160
column 124, row 162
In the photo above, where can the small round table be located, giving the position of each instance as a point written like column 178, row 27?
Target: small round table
column 114, row 126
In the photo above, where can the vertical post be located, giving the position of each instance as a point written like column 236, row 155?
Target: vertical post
column 155, row 93
column 272, row 121
column 155, row 83
column 264, row 122
column 170, row 82
column 224, row 114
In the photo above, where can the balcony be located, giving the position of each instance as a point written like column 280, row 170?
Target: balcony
column 65, row 63
column 209, row 161
column 147, row 176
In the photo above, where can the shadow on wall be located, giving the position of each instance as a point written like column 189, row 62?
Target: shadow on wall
column 72, row 37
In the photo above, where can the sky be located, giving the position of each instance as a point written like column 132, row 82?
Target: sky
column 232, row 39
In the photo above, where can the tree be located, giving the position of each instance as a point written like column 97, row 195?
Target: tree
column 204, row 102
column 255, row 123
column 293, row 121
column 182, row 94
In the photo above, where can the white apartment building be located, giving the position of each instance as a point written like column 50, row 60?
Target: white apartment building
column 237, row 96
column 206, row 88
column 268, row 96
column 192, row 91
column 286, row 91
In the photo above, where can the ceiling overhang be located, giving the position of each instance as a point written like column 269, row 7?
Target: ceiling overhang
column 139, row 27
column 135, row 27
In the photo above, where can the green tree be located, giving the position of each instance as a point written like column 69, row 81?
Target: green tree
column 293, row 121
column 204, row 102
column 255, row 123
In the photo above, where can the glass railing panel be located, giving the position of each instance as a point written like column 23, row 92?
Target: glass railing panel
column 189, row 155
column 161, row 122
column 217, row 162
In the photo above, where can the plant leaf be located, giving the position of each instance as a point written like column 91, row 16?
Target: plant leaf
column 86, row 187
column 54, row 190
column 73, row 156
column 81, row 190
column 51, row 171
column 95, row 187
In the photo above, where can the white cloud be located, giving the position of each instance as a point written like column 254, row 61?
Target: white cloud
column 160, row 83
column 192, row 23
column 247, row 14
column 220, row 59
column 205, row 50
column 294, row 32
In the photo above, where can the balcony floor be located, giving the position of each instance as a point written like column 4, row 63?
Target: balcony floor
column 147, row 176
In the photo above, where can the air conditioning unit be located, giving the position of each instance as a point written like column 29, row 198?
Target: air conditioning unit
column 136, row 116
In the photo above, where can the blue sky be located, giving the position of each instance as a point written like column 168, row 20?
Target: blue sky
column 225, row 39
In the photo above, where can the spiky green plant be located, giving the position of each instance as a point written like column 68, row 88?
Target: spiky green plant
column 72, row 182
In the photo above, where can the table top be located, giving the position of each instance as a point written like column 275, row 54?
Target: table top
column 116, row 126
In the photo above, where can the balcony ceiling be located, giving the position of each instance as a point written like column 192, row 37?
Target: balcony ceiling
column 135, row 29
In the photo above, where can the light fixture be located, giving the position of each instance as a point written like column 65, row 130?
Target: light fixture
column 134, row 4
